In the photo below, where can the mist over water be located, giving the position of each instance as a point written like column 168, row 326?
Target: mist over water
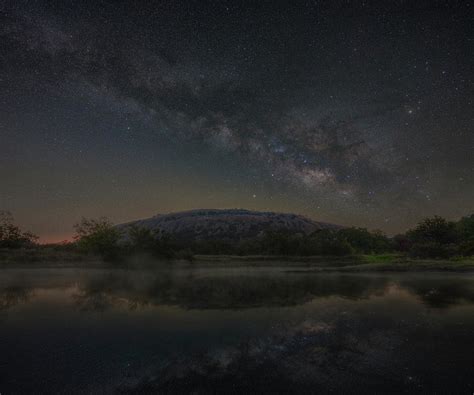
column 240, row 329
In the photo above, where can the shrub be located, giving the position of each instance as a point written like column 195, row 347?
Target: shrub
column 186, row 255
column 98, row 236
column 467, row 248
column 330, row 242
column 281, row 242
column 164, row 245
column 364, row 241
column 141, row 239
column 212, row 247
column 465, row 227
column 401, row 243
column 432, row 249
column 336, row 247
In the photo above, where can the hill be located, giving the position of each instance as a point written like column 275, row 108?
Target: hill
column 226, row 225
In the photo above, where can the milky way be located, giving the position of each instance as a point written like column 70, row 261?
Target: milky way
column 344, row 111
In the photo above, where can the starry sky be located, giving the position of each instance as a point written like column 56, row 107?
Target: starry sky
column 352, row 112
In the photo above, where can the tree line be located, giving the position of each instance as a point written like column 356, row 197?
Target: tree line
column 433, row 237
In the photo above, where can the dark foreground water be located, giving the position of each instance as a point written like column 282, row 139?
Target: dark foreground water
column 234, row 331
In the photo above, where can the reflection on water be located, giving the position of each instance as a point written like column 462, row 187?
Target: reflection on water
column 14, row 294
column 239, row 330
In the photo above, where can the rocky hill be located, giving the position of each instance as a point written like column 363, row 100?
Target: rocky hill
column 226, row 225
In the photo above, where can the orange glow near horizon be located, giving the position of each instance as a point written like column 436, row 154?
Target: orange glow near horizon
column 56, row 239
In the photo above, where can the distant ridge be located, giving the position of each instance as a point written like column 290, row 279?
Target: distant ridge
column 226, row 224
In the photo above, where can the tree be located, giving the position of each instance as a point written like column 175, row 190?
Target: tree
column 330, row 242
column 155, row 242
column 402, row 243
column 434, row 238
column 98, row 236
column 430, row 249
column 11, row 236
column 365, row 241
column 466, row 248
column 282, row 242
column 165, row 245
column 465, row 227
column 434, row 230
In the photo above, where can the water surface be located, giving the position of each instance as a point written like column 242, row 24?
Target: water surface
column 235, row 331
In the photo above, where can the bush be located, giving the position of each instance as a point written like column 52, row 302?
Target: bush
column 336, row 247
column 186, row 255
column 467, row 248
column 164, row 246
column 248, row 247
column 432, row 249
column 98, row 236
column 329, row 242
column 154, row 242
column 465, row 227
column 364, row 241
column 213, row 247
column 281, row 242
column 401, row 243
column 141, row 239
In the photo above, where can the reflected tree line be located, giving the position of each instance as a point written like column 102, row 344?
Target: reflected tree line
column 242, row 292
column 143, row 289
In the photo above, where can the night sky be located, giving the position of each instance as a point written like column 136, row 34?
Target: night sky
column 352, row 112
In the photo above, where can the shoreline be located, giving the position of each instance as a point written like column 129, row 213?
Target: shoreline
column 321, row 264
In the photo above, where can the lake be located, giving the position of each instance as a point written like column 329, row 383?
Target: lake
column 234, row 330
